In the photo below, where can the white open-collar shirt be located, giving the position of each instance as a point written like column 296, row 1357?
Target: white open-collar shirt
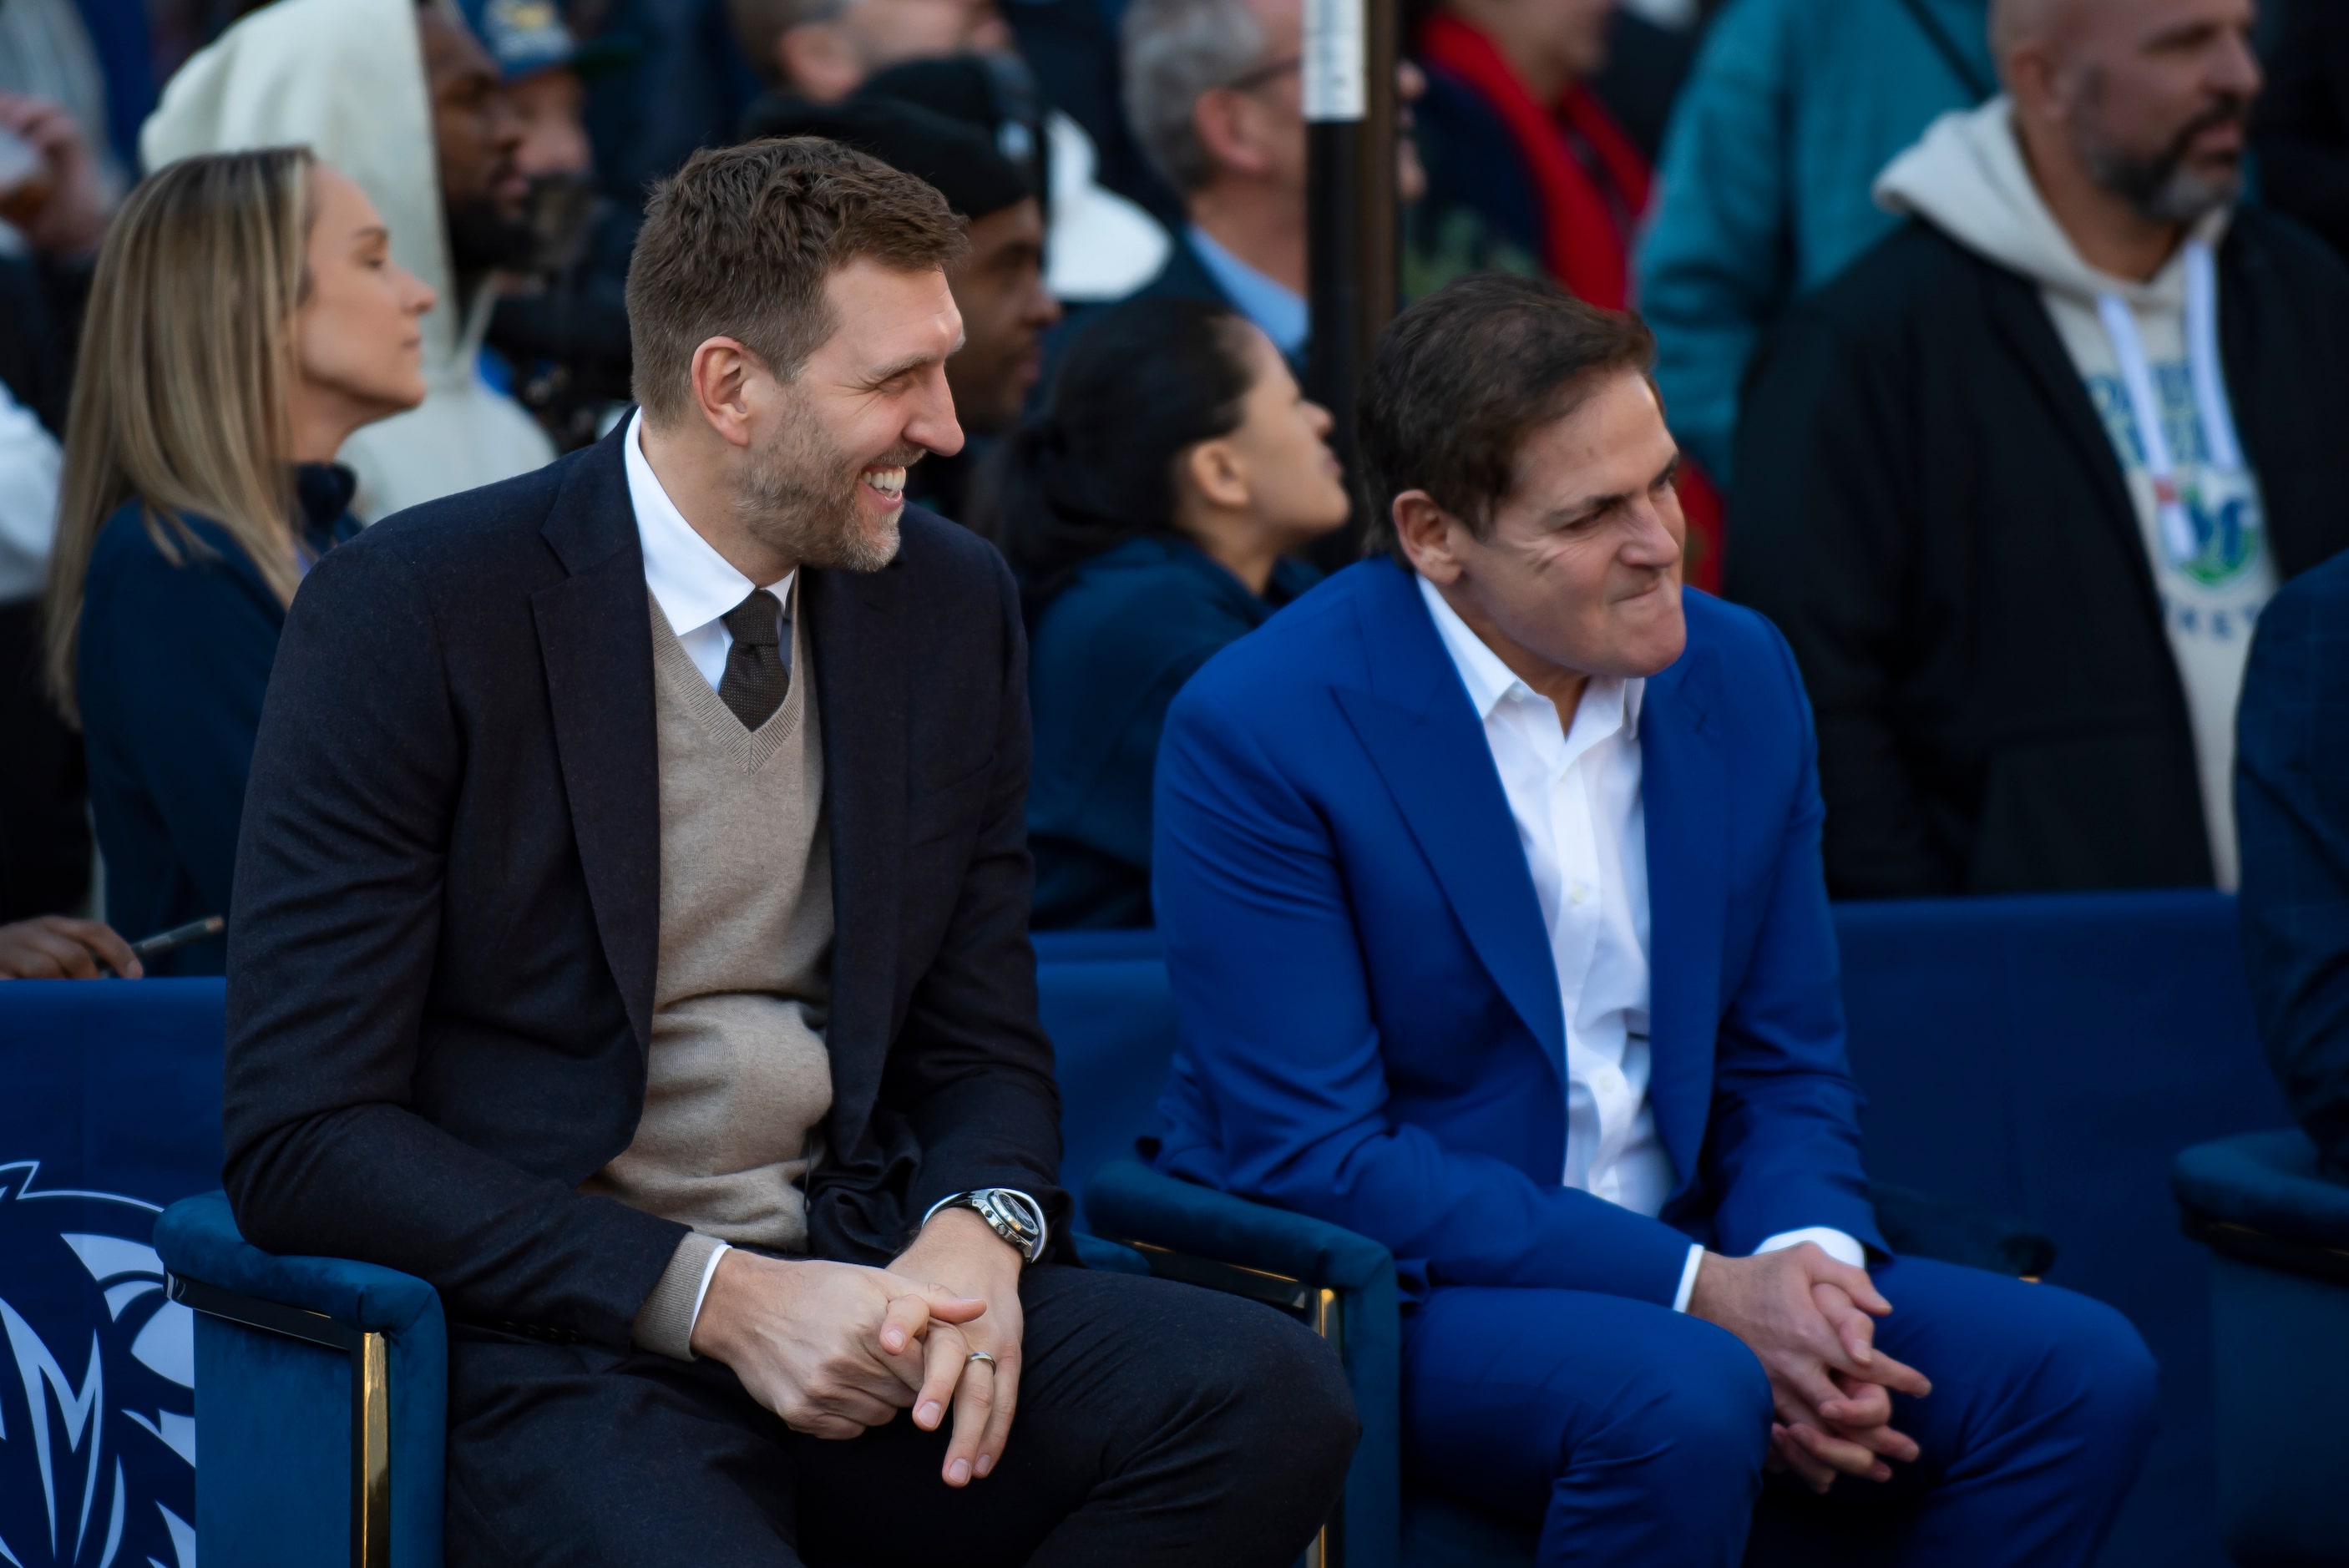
column 693, row 584
column 1582, row 822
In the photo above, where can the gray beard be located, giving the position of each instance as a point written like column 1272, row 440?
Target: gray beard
column 2160, row 187
column 797, row 495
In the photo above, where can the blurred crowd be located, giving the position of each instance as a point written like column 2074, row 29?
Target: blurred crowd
column 2006, row 342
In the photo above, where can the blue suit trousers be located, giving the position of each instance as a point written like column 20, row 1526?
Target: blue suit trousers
column 1635, row 1435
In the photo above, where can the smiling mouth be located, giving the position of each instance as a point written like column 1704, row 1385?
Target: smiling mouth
column 889, row 484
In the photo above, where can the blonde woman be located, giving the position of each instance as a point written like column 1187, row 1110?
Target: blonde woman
column 245, row 318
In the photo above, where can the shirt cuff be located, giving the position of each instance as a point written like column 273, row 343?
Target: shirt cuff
column 665, row 1321
column 1688, row 1277
column 1832, row 1241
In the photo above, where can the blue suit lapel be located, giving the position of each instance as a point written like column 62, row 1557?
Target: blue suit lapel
column 1687, row 810
column 1429, row 748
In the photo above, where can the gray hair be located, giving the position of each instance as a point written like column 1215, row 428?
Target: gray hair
column 1176, row 51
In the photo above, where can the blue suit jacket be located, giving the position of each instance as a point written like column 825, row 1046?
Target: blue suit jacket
column 1370, row 1026
column 2291, row 815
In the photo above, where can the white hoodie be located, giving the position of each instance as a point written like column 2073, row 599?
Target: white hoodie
column 346, row 78
column 2210, row 561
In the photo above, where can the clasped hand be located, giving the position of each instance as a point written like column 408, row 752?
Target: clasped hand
column 1811, row 1323
column 834, row 1349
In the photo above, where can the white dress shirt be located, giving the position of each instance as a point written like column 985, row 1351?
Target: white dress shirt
column 693, row 584
column 1583, row 825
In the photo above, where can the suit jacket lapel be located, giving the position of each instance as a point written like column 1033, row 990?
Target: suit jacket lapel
column 1686, row 805
column 862, row 690
column 594, row 639
column 1426, row 742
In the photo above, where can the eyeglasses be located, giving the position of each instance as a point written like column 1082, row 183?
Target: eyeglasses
column 1258, row 78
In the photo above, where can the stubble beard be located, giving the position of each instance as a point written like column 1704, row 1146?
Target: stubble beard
column 797, row 495
column 2161, row 188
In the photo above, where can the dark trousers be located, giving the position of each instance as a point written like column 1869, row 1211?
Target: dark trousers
column 1157, row 1424
column 1635, row 1435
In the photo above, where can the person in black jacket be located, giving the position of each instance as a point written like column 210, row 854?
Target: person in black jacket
column 2018, row 484
column 1149, row 512
column 653, row 903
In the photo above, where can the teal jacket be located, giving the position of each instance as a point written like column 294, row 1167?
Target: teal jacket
column 1793, row 107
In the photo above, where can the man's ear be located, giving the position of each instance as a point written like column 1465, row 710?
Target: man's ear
column 725, row 377
column 2034, row 83
column 1221, row 119
column 1217, row 472
column 1428, row 534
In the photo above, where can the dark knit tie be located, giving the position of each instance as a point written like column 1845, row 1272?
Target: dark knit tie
column 759, row 665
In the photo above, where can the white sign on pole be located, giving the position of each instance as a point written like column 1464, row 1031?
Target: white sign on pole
column 1335, row 74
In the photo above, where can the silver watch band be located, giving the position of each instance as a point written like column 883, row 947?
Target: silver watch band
column 1019, row 1222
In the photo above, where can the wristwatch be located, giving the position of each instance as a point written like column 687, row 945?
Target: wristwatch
column 1008, row 1213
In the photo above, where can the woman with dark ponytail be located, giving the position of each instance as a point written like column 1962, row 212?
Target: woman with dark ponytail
column 1148, row 513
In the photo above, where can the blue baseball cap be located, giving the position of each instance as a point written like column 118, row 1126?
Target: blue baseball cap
column 524, row 36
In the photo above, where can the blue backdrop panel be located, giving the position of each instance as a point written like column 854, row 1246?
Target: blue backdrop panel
column 2048, row 1057
column 112, row 1110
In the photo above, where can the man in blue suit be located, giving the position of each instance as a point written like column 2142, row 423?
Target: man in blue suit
column 1489, row 877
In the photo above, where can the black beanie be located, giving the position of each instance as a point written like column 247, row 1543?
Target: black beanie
column 952, row 155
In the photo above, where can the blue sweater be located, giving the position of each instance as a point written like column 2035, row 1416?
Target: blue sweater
column 1763, row 191
column 174, row 662
column 1108, row 654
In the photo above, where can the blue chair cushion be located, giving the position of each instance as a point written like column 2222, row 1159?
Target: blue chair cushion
column 2270, row 1185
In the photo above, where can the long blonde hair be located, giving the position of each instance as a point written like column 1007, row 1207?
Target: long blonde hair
column 182, row 396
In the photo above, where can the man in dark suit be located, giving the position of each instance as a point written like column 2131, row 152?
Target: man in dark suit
column 1489, row 878
column 630, row 940
column 2291, row 808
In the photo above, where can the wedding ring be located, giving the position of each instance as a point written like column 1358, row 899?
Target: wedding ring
column 978, row 1356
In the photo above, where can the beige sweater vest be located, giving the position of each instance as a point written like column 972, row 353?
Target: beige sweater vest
column 738, row 1082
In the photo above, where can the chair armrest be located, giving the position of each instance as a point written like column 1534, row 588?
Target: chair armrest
column 1128, row 1201
column 199, row 1240
column 1341, row 1285
column 2266, row 1198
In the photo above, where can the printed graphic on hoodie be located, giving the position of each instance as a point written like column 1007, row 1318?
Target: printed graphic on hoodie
column 2228, row 523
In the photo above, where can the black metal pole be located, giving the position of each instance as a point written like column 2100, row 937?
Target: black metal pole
column 1350, row 221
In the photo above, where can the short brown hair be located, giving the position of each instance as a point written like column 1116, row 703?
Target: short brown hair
column 738, row 244
column 1459, row 380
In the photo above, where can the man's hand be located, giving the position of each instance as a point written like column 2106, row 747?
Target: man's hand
column 1810, row 1320
column 959, row 1252
column 832, row 1348
column 72, row 220
column 54, row 947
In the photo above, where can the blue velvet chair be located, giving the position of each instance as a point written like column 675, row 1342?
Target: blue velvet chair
column 2278, row 1230
column 322, row 1396
column 1107, row 1003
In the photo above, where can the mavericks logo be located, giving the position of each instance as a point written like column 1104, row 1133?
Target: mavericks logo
column 98, row 1425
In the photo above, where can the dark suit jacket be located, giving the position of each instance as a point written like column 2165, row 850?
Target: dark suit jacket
column 441, row 956
column 2291, row 815
column 1930, row 509
column 1370, row 1026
